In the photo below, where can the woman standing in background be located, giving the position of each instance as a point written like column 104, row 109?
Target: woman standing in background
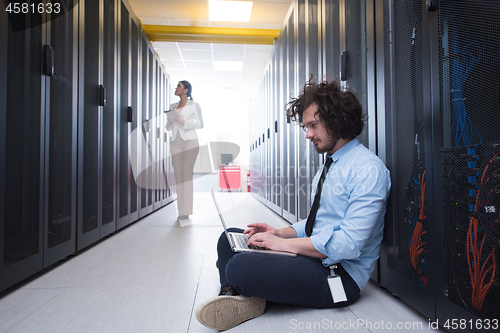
column 184, row 145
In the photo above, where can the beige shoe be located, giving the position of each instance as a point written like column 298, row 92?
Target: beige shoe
column 225, row 312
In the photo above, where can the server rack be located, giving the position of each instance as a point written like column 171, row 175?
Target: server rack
column 440, row 250
column 128, row 117
column 468, row 58
column 304, row 147
column 405, row 267
column 96, row 123
column 21, row 147
column 280, row 128
column 63, row 142
column 144, row 133
column 291, row 189
column 313, row 64
column 315, row 35
column 61, row 91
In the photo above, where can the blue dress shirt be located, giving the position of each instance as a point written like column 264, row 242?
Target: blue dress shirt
column 350, row 220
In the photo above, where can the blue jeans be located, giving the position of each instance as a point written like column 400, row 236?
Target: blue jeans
column 299, row 280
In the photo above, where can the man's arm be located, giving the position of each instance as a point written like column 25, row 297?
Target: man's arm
column 288, row 232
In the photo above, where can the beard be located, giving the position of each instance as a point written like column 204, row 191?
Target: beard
column 324, row 146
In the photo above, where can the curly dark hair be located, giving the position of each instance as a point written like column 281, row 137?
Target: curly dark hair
column 339, row 111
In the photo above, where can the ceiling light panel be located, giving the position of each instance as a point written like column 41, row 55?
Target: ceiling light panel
column 193, row 10
column 268, row 12
column 230, row 11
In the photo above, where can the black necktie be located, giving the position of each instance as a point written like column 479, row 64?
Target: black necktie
column 317, row 197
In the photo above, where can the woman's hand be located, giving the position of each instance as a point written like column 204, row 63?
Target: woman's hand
column 179, row 120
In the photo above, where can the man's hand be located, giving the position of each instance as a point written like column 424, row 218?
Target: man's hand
column 256, row 228
column 269, row 241
column 285, row 239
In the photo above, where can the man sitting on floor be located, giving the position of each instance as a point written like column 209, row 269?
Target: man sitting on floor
column 344, row 227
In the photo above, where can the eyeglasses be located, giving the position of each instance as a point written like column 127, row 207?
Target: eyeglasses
column 311, row 125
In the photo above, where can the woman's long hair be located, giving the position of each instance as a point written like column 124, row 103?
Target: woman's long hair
column 188, row 86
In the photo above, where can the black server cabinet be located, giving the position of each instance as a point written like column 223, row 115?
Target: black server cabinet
column 442, row 65
column 109, row 122
column 304, row 147
column 466, row 37
column 276, row 127
column 126, row 114
column 145, row 132
column 157, row 174
column 274, row 75
column 280, row 101
column 353, row 57
column 96, row 123
column 406, row 268
column 61, row 91
column 291, row 189
column 135, row 100
column 127, row 117
column 165, row 154
column 21, row 146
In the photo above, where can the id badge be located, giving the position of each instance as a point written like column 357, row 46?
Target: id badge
column 336, row 286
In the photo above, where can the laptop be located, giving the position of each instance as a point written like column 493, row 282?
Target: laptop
column 238, row 241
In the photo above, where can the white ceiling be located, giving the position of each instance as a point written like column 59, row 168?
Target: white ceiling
column 194, row 61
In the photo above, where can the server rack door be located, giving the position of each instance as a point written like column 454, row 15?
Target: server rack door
column 161, row 128
column 21, row 148
column 291, row 187
column 313, row 39
column 266, row 117
column 303, row 161
column 281, row 56
column 109, row 122
column 406, row 268
column 124, row 125
column 467, row 36
column 163, row 156
column 156, row 138
column 152, row 129
column 90, row 124
column 274, row 137
column 355, row 56
column 269, row 143
column 144, row 133
column 135, row 124
column 330, row 37
column 257, row 165
column 313, row 66
column 61, row 138
column 169, row 169
column 280, row 128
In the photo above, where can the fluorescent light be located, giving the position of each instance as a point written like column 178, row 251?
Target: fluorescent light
column 230, row 11
column 228, row 66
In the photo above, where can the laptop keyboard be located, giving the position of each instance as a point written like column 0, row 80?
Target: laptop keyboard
column 242, row 239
